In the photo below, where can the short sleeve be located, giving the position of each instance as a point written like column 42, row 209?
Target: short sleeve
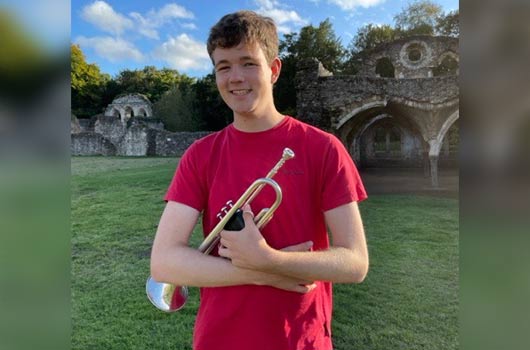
column 341, row 181
column 188, row 183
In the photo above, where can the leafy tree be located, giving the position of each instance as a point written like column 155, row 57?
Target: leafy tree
column 150, row 81
column 419, row 17
column 87, row 84
column 370, row 36
column 318, row 42
column 175, row 108
column 449, row 24
column 211, row 110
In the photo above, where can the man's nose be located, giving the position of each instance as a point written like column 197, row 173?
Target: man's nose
column 236, row 74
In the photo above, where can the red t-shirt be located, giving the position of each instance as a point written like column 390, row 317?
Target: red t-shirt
column 321, row 176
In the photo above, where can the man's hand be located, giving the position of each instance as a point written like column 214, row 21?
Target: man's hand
column 246, row 248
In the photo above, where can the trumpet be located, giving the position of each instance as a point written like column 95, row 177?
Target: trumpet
column 170, row 298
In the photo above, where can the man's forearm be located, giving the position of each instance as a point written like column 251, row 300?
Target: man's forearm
column 187, row 266
column 336, row 264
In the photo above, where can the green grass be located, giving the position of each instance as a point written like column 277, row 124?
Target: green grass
column 408, row 301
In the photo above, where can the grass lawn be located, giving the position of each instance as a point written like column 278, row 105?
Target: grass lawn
column 408, row 301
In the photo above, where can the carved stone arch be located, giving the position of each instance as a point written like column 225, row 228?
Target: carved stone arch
column 436, row 144
column 384, row 68
column 116, row 113
column 447, row 64
column 142, row 112
column 362, row 106
column 353, row 125
column 354, row 139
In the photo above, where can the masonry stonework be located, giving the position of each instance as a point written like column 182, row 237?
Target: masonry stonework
column 388, row 121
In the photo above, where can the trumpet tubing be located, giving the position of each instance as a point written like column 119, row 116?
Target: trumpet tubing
column 170, row 298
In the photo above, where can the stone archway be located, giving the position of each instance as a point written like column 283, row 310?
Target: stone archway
column 142, row 112
column 116, row 113
column 130, row 106
column 423, row 107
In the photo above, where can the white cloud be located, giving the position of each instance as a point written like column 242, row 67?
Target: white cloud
column 103, row 16
column 169, row 12
column 144, row 26
column 285, row 19
column 112, row 49
column 352, row 4
column 183, row 53
column 190, row 26
column 148, row 24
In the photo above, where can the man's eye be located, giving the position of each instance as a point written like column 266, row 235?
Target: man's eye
column 222, row 68
column 248, row 64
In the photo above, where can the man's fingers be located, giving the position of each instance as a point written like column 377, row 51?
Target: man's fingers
column 305, row 288
column 248, row 215
column 224, row 252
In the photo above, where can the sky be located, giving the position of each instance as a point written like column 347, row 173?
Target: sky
column 132, row 34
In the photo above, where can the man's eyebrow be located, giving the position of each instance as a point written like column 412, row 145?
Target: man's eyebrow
column 221, row 62
column 241, row 59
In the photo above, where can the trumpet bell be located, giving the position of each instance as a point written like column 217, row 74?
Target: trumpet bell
column 166, row 297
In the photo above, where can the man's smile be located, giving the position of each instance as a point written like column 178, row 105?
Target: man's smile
column 240, row 92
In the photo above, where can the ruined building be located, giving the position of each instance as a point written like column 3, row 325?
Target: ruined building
column 128, row 128
column 399, row 110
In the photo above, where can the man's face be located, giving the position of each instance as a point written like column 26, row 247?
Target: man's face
column 245, row 79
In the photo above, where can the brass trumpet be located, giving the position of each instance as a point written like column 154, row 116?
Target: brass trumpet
column 170, row 298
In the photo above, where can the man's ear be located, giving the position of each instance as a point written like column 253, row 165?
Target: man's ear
column 276, row 67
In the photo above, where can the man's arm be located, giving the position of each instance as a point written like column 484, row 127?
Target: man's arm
column 346, row 260
column 173, row 261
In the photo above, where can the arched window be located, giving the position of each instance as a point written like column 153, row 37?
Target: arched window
column 448, row 66
column 142, row 112
column 116, row 114
column 384, row 68
column 387, row 141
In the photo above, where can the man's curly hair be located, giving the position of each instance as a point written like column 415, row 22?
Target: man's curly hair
column 244, row 26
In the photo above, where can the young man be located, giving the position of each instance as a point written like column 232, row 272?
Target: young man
column 268, row 288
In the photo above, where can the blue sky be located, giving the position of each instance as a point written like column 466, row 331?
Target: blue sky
column 131, row 34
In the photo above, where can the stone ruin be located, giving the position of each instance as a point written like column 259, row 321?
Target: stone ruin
column 128, row 106
column 399, row 108
column 128, row 128
column 398, row 111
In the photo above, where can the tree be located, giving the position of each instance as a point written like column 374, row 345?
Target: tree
column 87, row 84
column 150, row 81
column 211, row 110
column 370, row 36
column 318, row 42
column 175, row 108
column 367, row 37
column 420, row 17
column 449, row 24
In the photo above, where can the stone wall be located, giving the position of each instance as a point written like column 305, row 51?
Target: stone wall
column 175, row 143
column 430, row 50
column 112, row 129
column 322, row 98
column 87, row 143
column 136, row 137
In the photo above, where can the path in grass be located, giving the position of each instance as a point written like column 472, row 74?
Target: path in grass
column 408, row 301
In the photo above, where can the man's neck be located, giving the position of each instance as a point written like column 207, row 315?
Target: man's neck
column 257, row 123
